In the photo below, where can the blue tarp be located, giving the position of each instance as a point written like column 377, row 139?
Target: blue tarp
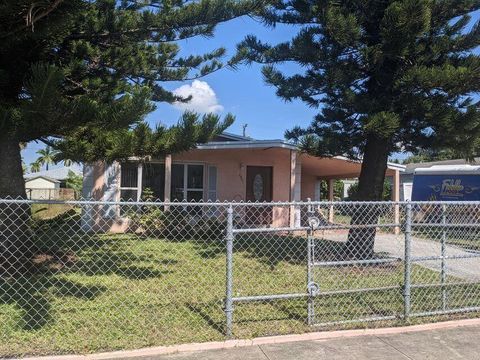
column 446, row 187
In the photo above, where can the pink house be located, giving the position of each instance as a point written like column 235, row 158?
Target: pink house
column 229, row 168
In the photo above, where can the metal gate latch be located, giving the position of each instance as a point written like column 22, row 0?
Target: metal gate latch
column 313, row 222
column 313, row 289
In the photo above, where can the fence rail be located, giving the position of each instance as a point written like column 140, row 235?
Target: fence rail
column 60, row 194
column 106, row 275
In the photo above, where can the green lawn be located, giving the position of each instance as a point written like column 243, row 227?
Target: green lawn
column 49, row 211
column 107, row 292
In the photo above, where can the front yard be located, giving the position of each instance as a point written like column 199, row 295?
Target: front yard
column 106, row 292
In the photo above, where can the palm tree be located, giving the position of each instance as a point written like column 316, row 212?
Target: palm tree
column 47, row 156
column 35, row 167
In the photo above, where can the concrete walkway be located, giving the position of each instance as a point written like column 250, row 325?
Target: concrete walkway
column 439, row 344
column 394, row 246
column 465, row 269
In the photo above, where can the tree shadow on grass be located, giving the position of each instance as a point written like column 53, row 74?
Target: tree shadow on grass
column 124, row 264
column 203, row 311
column 273, row 249
column 63, row 249
column 33, row 295
column 101, row 254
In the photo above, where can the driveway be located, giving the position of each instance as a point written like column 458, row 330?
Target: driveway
column 394, row 246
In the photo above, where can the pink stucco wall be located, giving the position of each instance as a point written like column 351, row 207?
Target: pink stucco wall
column 232, row 168
column 308, row 186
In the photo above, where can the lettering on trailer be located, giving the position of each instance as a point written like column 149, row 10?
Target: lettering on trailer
column 446, row 187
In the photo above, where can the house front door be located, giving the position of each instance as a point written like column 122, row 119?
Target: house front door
column 259, row 189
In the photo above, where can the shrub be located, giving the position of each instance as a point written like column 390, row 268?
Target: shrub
column 178, row 223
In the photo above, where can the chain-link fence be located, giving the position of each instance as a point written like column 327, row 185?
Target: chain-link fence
column 79, row 276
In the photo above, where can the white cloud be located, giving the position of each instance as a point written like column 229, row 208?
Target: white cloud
column 204, row 99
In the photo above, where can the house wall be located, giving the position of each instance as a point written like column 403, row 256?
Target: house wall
column 42, row 189
column 232, row 170
column 231, row 181
column 41, row 183
column 308, row 186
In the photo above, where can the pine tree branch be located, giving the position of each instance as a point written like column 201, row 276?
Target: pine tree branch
column 33, row 17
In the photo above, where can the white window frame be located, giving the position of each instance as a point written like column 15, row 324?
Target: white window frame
column 185, row 189
column 138, row 188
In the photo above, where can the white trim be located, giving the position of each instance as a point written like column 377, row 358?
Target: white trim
column 186, row 189
column 235, row 137
column 390, row 165
column 139, row 181
column 42, row 177
column 252, row 144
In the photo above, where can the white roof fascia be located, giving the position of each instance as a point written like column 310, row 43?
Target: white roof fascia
column 390, row 165
column 252, row 144
column 42, row 177
column 235, row 137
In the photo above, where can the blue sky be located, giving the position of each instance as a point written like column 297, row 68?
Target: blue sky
column 241, row 92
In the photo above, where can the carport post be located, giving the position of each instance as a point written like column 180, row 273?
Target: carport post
column 229, row 274
column 407, row 262
column 331, row 185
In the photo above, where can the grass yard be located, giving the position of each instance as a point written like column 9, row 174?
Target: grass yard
column 106, row 292
column 49, row 211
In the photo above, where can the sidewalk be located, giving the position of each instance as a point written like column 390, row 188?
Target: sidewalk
column 451, row 343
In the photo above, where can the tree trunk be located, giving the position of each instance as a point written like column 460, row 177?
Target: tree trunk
column 361, row 241
column 16, row 246
column 12, row 183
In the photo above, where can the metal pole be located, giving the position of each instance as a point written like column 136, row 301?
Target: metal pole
column 310, row 257
column 408, row 264
column 229, row 274
column 444, row 265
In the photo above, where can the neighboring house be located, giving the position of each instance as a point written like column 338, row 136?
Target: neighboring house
column 406, row 177
column 50, row 184
column 41, row 187
column 229, row 168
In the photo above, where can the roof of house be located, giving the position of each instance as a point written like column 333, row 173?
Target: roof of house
column 226, row 136
column 241, row 142
column 410, row 168
column 42, row 177
column 60, row 173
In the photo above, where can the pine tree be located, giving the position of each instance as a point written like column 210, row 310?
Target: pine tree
column 387, row 76
column 72, row 68
column 86, row 72
column 427, row 155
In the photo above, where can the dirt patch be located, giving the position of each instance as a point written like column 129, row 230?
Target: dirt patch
column 53, row 260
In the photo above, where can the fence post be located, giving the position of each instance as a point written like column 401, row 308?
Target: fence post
column 444, row 265
column 408, row 262
column 310, row 260
column 229, row 273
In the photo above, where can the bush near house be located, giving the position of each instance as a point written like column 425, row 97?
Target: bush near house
column 178, row 223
